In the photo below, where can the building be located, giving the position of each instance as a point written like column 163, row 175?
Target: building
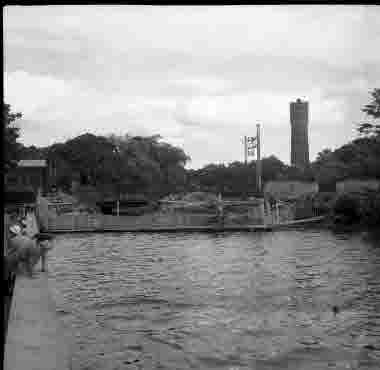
column 286, row 190
column 29, row 175
column 357, row 185
column 299, row 121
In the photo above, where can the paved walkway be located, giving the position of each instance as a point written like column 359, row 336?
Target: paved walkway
column 36, row 339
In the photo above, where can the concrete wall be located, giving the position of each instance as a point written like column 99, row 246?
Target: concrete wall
column 51, row 221
column 69, row 222
column 289, row 189
column 351, row 185
column 286, row 213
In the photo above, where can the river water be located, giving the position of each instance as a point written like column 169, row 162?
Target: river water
column 219, row 301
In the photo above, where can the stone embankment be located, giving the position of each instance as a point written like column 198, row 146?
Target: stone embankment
column 36, row 339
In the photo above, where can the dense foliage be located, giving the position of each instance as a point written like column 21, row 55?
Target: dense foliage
column 372, row 111
column 115, row 164
column 360, row 209
column 153, row 165
column 237, row 178
column 357, row 159
column 11, row 134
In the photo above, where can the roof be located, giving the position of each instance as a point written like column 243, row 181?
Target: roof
column 32, row 163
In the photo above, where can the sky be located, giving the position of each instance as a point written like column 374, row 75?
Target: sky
column 200, row 76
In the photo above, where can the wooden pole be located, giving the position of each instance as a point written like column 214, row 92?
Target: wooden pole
column 258, row 162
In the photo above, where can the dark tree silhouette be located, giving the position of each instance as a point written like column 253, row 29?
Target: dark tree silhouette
column 372, row 110
column 11, row 134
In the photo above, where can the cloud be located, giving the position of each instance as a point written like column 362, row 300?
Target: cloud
column 199, row 76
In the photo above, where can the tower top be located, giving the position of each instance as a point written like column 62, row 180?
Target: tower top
column 298, row 100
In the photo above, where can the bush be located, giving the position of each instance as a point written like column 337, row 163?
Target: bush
column 370, row 208
column 360, row 208
column 346, row 209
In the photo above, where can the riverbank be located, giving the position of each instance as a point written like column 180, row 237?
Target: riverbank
column 332, row 224
column 35, row 339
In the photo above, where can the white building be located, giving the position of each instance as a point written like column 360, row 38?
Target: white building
column 289, row 189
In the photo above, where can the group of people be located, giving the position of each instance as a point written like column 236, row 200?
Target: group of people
column 24, row 251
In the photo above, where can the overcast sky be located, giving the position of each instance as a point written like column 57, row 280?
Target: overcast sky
column 202, row 77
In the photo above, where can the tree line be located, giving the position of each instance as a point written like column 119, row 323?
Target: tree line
column 149, row 165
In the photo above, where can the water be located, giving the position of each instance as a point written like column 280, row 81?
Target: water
column 219, row 301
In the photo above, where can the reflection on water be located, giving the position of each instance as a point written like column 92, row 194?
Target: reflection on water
column 219, row 301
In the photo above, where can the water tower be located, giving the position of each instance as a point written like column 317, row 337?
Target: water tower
column 299, row 121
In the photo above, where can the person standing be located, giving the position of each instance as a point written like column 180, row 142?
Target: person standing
column 23, row 251
column 44, row 248
column 44, row 245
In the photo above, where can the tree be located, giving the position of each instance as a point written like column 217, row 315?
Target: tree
column 372, row 110
column 92, row 157
column 151, row 165
column 236, row 178
column 324, row 155
column 31, row 152
column 272, row 168
column 11, row 134
column 357, row 159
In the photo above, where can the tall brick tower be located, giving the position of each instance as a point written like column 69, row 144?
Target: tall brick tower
column 299, row 121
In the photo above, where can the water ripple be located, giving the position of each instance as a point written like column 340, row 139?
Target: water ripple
column 219, row 301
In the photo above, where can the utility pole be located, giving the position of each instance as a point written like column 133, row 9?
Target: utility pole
column 258, row 162
column 245, row 150
column 246, row 164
